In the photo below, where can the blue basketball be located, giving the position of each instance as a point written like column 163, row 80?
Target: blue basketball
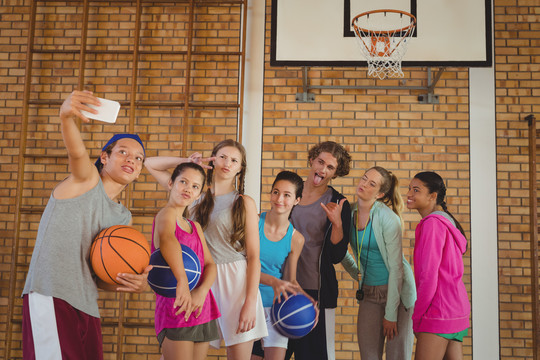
column 162, row 280
column 294, row 317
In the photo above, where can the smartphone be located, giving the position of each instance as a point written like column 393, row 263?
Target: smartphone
column 107, row 112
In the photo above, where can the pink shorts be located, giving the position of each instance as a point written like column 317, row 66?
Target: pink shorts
column 53, row 329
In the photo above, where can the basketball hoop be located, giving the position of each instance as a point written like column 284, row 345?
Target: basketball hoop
column 383, row 37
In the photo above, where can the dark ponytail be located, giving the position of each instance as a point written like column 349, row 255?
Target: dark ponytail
column 435, row 183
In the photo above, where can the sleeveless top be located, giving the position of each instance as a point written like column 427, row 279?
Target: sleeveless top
column 60, row 265
column 219, row 230
column 165, row 313
column 311, row 221
column 273, row 256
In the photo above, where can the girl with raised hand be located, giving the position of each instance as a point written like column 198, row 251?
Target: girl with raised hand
column 229, row 221
column 386, row 293
column 441, row 313
column 185, row 325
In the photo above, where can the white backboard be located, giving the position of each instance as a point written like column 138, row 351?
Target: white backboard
column 319, row 32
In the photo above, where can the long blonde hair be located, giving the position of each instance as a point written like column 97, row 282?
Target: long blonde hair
column 203, row 210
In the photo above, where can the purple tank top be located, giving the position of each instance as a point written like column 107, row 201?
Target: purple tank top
column 165, row 314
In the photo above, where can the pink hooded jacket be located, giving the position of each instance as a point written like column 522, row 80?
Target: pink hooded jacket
column 442, row 305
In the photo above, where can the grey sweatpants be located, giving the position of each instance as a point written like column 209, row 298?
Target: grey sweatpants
column 370, row 327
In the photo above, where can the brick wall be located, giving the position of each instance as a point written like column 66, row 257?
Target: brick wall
column 161, row 77
column 384, row 127
column 517, row 60
column 11, row 67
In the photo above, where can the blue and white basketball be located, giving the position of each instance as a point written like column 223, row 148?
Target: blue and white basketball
column 294, row 317
column 162, row 280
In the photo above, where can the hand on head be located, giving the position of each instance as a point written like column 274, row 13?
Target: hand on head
column 199, row 160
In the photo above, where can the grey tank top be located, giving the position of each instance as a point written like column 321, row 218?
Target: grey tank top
column 219, row 230
column 310, row 221
column 60, row 264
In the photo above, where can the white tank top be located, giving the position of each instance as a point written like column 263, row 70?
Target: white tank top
column 219, row 230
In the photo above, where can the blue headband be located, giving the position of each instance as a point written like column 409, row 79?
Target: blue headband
column 117, row 137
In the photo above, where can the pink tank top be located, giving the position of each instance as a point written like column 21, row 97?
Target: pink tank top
column 165, row 314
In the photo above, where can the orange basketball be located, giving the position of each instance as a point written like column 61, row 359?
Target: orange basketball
column 119, row 249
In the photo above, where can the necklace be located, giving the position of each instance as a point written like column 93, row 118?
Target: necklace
column 359, row 250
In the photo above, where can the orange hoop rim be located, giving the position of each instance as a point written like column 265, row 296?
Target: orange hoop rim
column 384, row 32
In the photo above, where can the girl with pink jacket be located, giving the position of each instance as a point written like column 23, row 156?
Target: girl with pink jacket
column 442, row 309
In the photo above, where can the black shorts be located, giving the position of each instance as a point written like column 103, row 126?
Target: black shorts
column 199, row 333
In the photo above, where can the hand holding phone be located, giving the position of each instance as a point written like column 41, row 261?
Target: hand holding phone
column 107, row 112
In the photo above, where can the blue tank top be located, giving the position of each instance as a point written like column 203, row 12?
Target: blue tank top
column 273, row 256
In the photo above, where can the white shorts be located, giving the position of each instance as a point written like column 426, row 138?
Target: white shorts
column 229, row 290
column 274, row 338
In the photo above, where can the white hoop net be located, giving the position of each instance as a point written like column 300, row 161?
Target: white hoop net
column 383, row 36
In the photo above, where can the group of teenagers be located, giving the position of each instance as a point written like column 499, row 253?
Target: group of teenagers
column 248, row 261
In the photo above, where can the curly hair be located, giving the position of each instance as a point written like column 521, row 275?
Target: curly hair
column 342, row 156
